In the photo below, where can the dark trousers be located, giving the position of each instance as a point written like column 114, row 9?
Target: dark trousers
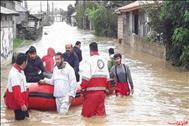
column 20, row 115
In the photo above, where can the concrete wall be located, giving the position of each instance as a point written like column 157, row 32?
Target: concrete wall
column 152, row 48
column 7, row 28
column 126, row 29
column 120, row 27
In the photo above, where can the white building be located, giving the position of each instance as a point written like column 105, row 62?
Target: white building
column 7, row 34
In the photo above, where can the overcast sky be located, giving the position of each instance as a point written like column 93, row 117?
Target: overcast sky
column 34, row 6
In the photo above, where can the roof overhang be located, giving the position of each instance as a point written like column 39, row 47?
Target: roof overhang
column 134, row 6
column 6, row 11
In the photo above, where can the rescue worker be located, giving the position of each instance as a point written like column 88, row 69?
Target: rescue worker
column 48, row 60
column 71, row 57
column 122, row 77
column 16, row 96
column 94, row 83
column 77, row 50
column 34, row 69
column 64, row 82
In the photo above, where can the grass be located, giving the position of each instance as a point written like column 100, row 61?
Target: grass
column 18, row 42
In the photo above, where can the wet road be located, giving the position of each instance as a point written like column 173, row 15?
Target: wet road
column 161, row 91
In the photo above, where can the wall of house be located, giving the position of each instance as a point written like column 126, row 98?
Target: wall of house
column 23, row 16
column 120, row 27
column 10, row 5
column 7, row 28
column 152, row 48
column 143, row 24
column 126, row 33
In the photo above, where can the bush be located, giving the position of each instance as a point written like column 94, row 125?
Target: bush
column 104, row 21
column 173, row 22
column 81, row 12
column 17, row 42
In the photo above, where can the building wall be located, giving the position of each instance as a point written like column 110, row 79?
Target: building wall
column 152, row 48
column 120, row 27
column 130, row 22
column 126, row 33
column 10, row 5
column 23, row 16
column 7, row 28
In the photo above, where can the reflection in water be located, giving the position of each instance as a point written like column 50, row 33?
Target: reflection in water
column 161, row 91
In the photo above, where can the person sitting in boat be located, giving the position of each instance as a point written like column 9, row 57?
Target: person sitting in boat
column 122, row 77
column 48, row 62
column 16, row 96
column 34, row 69
column 64, row 82
column 71, row 57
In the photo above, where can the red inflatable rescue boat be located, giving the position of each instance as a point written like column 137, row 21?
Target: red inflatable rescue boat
column 41, row 97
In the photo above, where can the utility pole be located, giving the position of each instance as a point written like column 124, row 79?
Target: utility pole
column 53, row 10
column 84, row 16
column 41, row 7
column 47, row 7
column 26, row 5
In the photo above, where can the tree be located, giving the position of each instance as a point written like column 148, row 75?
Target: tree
column 174, row 23
column 101, row 15
column 70, row 11
column 62, row 13
column 104, row 21
column 81, row 12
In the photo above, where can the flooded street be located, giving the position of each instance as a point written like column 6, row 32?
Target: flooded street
column 161, row 92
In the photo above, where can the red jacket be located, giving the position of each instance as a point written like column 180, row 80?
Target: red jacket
column 17, row 93
column 96, row 75
column 48, row 60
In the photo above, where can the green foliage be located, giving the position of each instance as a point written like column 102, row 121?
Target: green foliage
column 17, row 42
column 104, row 21
column 79, row 16
column 186, row 15
column 151, row 37
column 70, row 11
column 81, row 12
column 98, row 18
column 153, row 12
column 185, row 57
column 180, row 36
column 172, row 18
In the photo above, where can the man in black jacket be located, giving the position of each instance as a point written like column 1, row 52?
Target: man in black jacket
column 34, row 69
column 71, row 57
column 77, row 50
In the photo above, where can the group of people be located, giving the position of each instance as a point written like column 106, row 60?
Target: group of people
column 37, row 68
column 96, row 80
